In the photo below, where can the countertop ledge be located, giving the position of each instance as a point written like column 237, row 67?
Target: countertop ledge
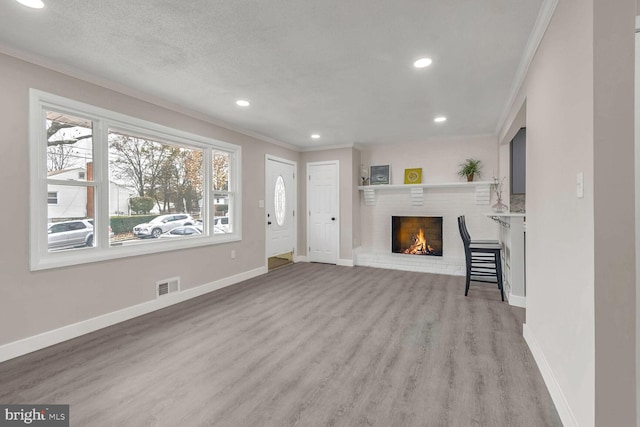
column 508, row 214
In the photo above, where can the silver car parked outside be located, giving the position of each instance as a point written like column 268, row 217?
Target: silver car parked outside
column 70, row 234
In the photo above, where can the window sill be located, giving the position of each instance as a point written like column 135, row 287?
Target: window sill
column 81, row 256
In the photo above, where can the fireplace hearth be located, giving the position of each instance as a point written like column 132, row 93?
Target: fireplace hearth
column 416, row 235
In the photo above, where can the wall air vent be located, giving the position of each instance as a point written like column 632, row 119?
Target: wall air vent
column 167, row 286
column 163, row 289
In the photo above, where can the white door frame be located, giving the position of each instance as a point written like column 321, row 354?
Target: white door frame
column 269, row 157
column 637, row 216
column 308, row 207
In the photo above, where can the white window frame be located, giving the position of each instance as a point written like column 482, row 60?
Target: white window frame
column 103, row 121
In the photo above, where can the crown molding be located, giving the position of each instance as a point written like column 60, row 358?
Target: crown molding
column 325, row 147
column 539, row 28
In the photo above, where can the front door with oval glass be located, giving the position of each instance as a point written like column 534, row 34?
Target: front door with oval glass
column 280, row 206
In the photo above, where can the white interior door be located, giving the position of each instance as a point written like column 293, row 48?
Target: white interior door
column 280, row 206
column 323, row 230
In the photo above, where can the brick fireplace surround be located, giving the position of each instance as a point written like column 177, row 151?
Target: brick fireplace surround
column 379, row 203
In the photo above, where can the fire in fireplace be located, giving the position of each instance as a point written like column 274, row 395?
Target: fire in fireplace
column 416, row 235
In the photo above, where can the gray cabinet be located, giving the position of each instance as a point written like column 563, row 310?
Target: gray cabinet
column 519, row 162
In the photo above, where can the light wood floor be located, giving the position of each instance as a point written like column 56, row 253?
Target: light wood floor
column 304, row 345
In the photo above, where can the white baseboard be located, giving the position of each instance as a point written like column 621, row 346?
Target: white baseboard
column 300, row 258
column 562, row 406
column 56, row 336
column 517, row 301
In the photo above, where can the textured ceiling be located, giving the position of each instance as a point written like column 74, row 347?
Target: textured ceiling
column 340, row 68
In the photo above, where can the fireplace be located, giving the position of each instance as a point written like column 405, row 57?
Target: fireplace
column 416, row 235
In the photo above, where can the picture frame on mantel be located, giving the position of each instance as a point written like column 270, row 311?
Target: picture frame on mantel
column 413, row 176
column 380, row 175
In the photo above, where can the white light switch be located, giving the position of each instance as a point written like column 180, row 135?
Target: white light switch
column 580, row 185
column 261, row 203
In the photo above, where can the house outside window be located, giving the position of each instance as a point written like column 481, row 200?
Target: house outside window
column 122, row 174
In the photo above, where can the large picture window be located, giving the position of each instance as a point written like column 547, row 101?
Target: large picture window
column 118, row 186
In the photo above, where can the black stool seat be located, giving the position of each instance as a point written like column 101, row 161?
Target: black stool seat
column 483, row 259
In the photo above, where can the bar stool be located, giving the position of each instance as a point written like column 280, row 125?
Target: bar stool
column 483, row 259
column 461, row 221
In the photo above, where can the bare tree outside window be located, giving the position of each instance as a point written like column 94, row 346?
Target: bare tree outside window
column 60, row 157
column 171, row 175
column 68, row 142
column 138, row 162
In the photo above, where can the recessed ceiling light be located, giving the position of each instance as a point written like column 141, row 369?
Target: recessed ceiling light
column 315, row 136
column 440, row 119
column 34, row 4
column 242, row 103
column 422, row 62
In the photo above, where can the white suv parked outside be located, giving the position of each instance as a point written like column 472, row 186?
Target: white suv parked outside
column 162, row 224
column 221, row 224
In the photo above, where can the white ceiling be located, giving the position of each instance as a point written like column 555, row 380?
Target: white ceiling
column 341, row 68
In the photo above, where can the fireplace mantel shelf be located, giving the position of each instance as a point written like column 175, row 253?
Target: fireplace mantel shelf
column 482, row 189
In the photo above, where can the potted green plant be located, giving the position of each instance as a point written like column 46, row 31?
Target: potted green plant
column 470, row 168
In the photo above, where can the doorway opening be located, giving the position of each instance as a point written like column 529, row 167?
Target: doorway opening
column 279, row 261
column 280, row 211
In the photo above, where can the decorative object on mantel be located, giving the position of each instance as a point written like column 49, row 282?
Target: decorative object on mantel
column 470, row 169
column 379, row 175
column 364, row 175
column 413, row 176
column 499, row 207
